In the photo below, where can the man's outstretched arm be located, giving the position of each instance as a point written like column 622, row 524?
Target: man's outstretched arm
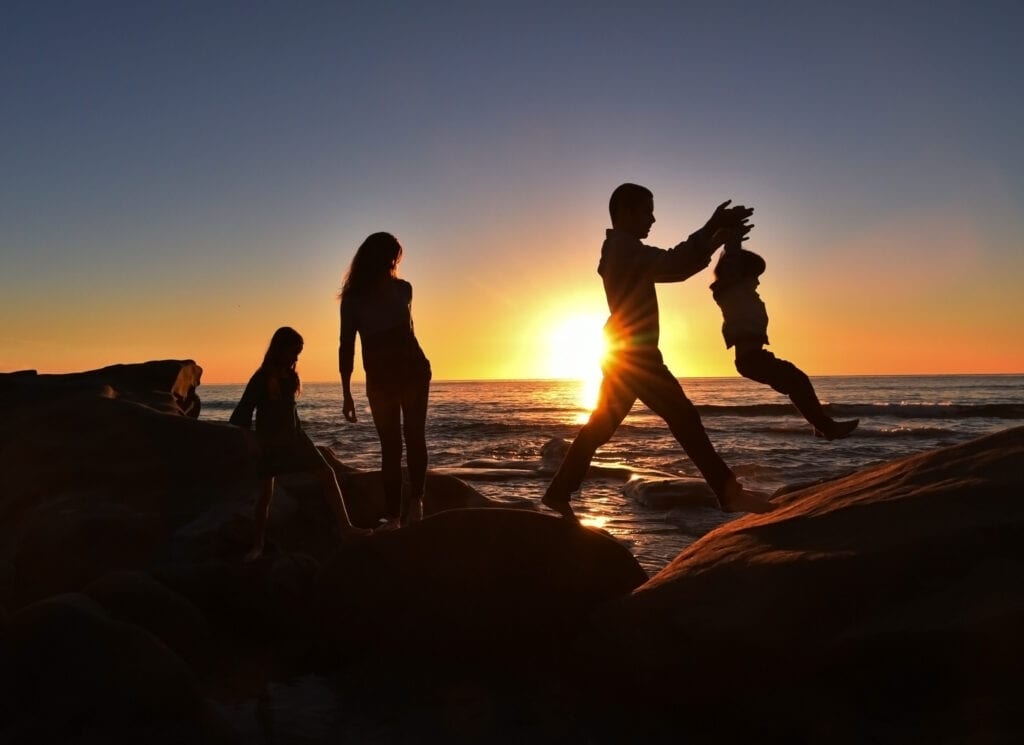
column 694, row 254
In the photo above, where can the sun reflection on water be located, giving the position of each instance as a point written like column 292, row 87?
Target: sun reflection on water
column 586, row 397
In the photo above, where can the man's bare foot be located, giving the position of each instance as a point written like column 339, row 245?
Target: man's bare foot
column 255, row 553
column 561, row 506
column 738, row 499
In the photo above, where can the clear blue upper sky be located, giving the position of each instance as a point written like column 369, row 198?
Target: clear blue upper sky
column 205, row 170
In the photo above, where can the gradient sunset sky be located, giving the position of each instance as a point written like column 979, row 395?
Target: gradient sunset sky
column 179, row 179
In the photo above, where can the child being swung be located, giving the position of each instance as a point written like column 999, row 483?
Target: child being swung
column 283, row 446
column 745, row 327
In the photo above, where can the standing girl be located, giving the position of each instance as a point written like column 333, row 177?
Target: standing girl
column 283, row 446
column 377, row 305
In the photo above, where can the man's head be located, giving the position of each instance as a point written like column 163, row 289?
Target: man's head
column 632, row 209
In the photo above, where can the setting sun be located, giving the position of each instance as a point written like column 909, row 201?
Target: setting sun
column 576, row 348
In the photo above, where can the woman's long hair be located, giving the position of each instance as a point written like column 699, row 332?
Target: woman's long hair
column 280, row 369
column 376, row 259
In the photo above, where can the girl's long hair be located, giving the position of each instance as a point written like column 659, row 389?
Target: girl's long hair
column 376, row 259
column 281, row 374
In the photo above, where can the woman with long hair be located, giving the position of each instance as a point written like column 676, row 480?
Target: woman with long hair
column 283, row 446
column 377, row 305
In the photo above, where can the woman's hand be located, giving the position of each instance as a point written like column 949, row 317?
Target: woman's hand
column 348, row 408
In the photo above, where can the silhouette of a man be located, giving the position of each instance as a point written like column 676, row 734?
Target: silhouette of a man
column 634, row 367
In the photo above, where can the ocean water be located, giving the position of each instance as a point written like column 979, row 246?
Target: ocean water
column 494, row 435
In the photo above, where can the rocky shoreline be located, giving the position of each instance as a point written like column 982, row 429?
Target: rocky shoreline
column 882, row 606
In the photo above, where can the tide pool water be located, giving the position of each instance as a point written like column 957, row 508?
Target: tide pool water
column 501, row 428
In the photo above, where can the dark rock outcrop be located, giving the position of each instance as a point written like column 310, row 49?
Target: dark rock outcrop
column 886, row 602
column 670, row 493
column 504, row 582
column 137, row 598
column 96, row 485
column 110, row 488
column 70, row 673
column 364, row 490
column 882, row 606
column 164, row 385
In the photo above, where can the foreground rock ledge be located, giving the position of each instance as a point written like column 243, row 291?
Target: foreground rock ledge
column 888, row 601
column 885, row 606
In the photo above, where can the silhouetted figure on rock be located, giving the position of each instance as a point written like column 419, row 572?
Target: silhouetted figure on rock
column 377, row 305
column 282, row 444
column 634, row 367
column 745, row 327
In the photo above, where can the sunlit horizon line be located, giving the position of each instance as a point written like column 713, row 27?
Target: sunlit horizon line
column 538, row 379
column 678, row 377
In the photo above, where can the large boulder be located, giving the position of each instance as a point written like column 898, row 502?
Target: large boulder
column 165, row 385
column 8, row 583
column 364, row 492
column 885, row 604
column 65, row 543
column 121, row 428
column 137, row 598
column 364, row 495
column 671, row 492
column 103, row 471
column 100, row 484
column 119, row 446
column 463, row 583
column 71, row 674
column 460, row 628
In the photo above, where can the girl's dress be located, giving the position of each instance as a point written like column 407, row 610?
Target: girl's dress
column 284, row 446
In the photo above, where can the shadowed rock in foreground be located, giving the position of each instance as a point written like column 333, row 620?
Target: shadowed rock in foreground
column 883, row 606
column 123, row 522
column 497, row 583
column 102, row 471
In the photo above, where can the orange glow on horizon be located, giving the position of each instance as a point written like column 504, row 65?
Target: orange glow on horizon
column 576, row 349
column 952, row 319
